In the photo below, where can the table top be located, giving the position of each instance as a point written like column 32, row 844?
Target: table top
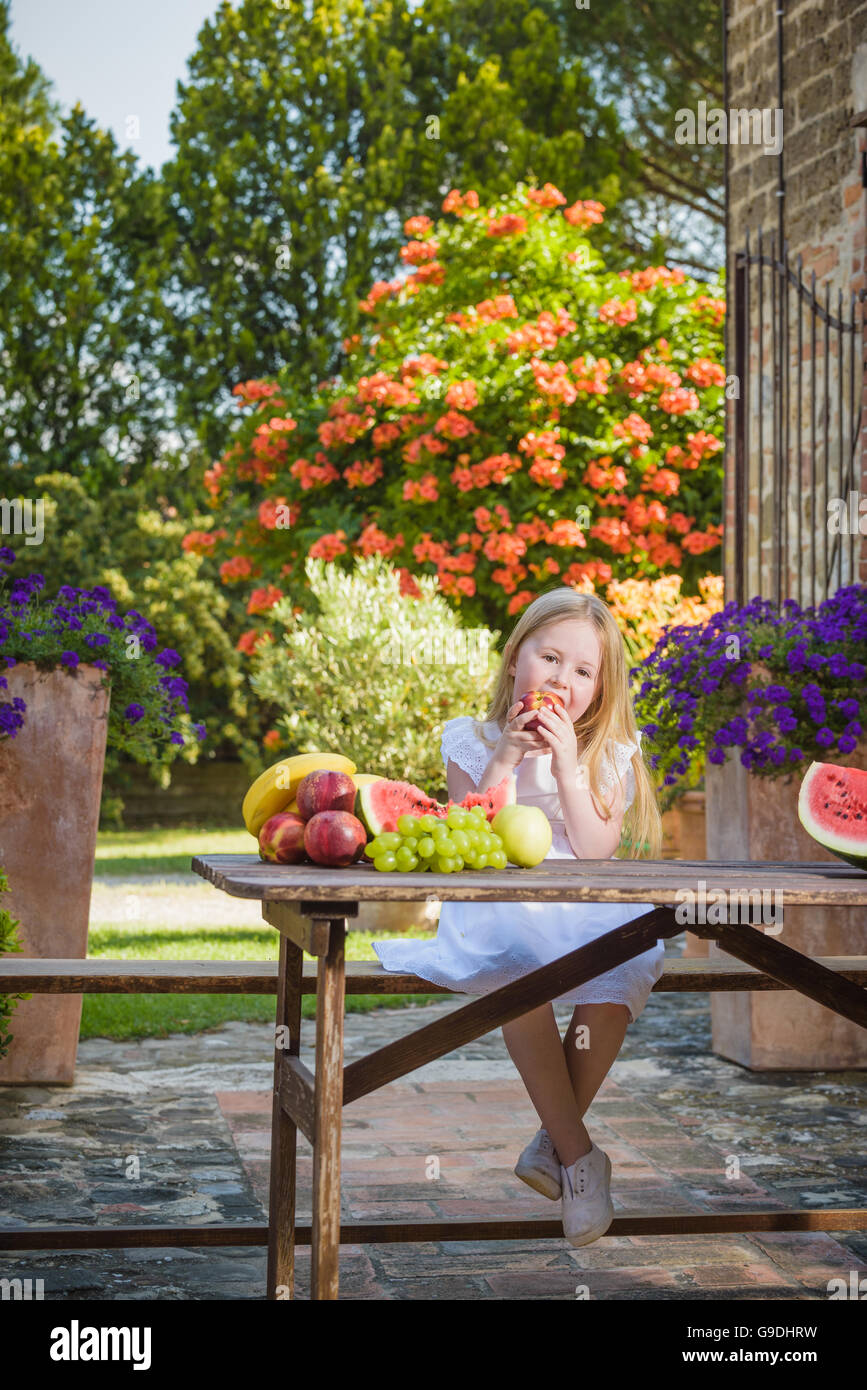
column 660, row 881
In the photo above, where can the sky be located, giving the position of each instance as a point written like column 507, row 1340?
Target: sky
column 120, row 60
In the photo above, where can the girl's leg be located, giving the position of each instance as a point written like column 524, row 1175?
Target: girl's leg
column 534, row 1046
column 589, row 1065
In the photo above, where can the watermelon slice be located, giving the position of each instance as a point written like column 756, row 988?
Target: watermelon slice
column 380, row 804
column 832, row 807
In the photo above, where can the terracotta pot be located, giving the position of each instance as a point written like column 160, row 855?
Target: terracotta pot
column 50, row 784
column 690, row 810
column 756, row 818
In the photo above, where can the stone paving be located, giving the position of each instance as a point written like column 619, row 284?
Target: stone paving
column 178, row 1130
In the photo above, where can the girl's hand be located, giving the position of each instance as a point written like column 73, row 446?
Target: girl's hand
column 517, row 742
column 557, row 729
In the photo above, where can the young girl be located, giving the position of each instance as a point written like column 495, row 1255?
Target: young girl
column 585, row 770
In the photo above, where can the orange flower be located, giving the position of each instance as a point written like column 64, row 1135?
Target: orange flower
column 239, row 567
column 681, row 400
column 520, row 601
column 584, row 214
column 547, row 197
column 202, row 542
column 454, row 425
column 382, row 289
column 463, row 395
column 715, row 308
column 363, row 474
column 459, row 202
column 425, row 490
column 374, row 541
column 415, row 252
column 408, row 586
column 417, row 226
column 663, row 481
column 510, row 224
column 619, row 312
column 706, row 373
column 633, row 427
column 432, row 274
column 328, row 546
column 250, row 640
column 263, row 600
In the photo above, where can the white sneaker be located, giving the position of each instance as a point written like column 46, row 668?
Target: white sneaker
column 539, row 1166
column 587, row 1208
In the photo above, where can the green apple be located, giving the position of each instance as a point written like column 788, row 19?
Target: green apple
column 525, row 832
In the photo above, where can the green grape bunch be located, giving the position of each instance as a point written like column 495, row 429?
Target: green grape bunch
column 462, row 841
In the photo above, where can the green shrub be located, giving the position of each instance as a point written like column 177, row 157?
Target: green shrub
column 374, row 673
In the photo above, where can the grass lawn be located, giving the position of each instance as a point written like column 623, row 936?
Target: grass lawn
column 157, row 852
column 160, row 851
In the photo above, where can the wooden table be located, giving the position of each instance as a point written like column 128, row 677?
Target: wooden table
column 310, row 907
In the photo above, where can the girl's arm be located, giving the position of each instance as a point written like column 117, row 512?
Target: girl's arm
column 589, row 835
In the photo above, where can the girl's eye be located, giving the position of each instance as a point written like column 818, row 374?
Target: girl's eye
column 583, row 671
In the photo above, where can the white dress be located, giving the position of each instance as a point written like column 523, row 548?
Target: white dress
column 480, row 946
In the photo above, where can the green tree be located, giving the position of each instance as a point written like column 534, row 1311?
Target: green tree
column 653, row 58
column 79, row 292
column 307, row 136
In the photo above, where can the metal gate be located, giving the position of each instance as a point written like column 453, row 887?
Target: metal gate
column 800, row 372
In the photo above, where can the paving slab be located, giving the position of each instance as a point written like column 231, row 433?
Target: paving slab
column 178, row 1129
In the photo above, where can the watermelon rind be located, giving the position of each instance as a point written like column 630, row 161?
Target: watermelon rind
column 849, row 843
column 379, row 805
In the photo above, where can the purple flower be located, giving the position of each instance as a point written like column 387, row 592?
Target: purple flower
column 847, row 707
column 133, row 713
column 826, row 738
column 7, row 555
column 70, row 659
column 176, row 738
column 168, row 657
column 97, row 639
column 66, row 592
column 103, row 665
column 199, row 730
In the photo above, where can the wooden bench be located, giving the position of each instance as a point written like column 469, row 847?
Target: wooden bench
column 311, row 909
column 103, row 976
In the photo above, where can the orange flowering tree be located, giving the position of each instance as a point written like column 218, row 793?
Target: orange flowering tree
column 513, row 416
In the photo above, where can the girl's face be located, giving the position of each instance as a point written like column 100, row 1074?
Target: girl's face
column 563, row 657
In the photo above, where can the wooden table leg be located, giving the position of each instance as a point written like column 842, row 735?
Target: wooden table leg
column 753, row 946
column 328, row 1113
column 284, row 1132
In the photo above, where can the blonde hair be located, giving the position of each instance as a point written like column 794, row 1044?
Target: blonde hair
column 609, row 716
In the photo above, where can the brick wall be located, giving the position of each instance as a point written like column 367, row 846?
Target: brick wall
column 825, row 222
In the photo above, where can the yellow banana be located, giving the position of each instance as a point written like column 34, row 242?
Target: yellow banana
column 275, row 788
